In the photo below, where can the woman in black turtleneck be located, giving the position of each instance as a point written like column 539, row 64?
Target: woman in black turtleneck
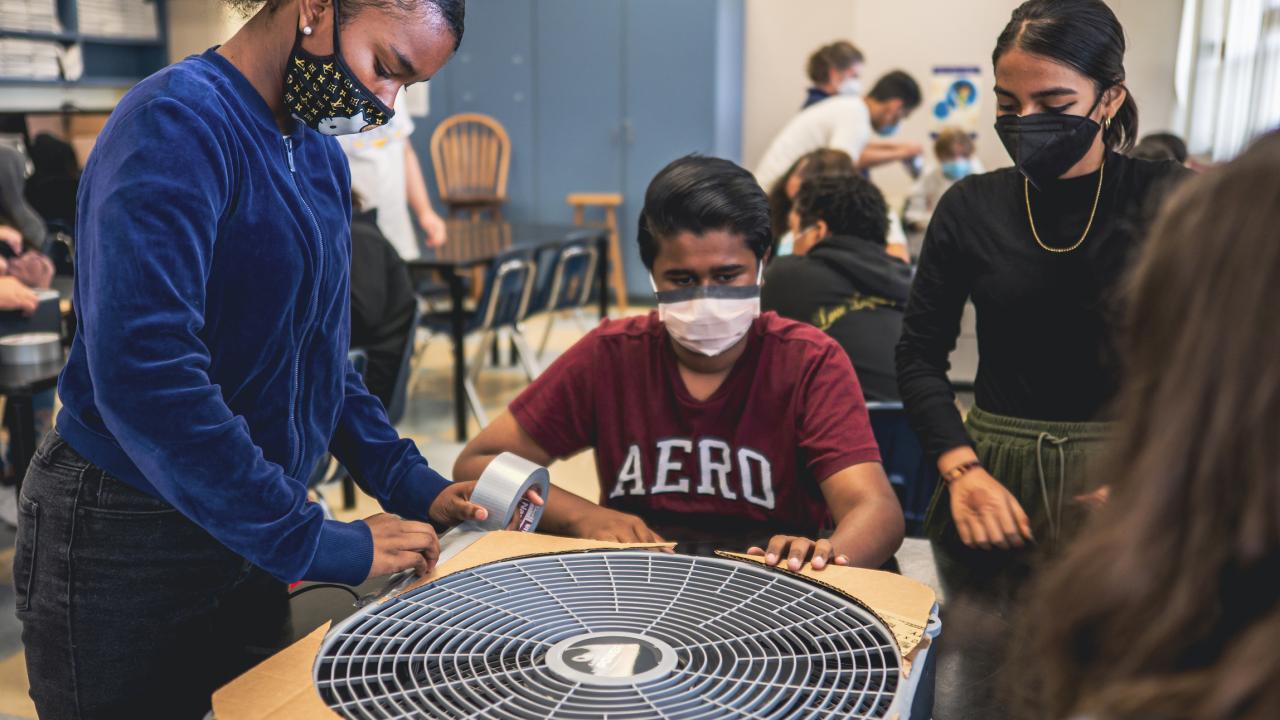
column 1041, row 249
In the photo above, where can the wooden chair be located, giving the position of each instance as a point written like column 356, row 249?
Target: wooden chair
column 471, row 154
column 609, row 202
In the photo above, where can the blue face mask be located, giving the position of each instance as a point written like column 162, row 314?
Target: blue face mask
column 957, row 168
column 887, row 130
column 786, row 244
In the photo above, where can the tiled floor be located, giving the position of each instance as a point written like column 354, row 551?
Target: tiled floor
column 429, row 422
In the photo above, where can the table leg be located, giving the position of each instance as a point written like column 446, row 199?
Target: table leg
column 22, row 435
column 457, row 330
column 602, row 273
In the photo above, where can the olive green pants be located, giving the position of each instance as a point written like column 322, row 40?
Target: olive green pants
column 1045, row 465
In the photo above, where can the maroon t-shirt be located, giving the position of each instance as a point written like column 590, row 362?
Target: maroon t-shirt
column 789, row 414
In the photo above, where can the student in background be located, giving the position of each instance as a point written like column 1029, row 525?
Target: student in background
column 823, row 162
column 713, row 425
column 954, row 151
column 841, row 280
column 819, row 163
column 848, row 123
column 1041, row 248
column 382, row 301
column 52, row 187
column 21, row 227
column 385, row 172
column 834, row 70
column 1182, row 610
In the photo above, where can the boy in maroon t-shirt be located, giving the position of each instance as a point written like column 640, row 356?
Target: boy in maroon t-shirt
column 713, row 425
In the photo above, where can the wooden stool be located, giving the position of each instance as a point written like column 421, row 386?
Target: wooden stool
column 609, row 202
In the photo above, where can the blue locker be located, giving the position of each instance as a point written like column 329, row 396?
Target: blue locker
column 578, row 112
column 678, row 97
column 597, row 95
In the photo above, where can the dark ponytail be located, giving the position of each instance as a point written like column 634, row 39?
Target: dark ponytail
column 1084, row 35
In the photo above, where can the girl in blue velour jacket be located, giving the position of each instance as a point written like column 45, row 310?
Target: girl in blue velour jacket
column 209, row 370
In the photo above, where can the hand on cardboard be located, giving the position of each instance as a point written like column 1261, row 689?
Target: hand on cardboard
column 986, row 514
column 601, row 523
column 16, row 296
column 453, row 505
column 400, row 544
column 795, row 550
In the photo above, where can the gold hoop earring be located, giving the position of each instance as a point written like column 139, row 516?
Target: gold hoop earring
column 1106, row 125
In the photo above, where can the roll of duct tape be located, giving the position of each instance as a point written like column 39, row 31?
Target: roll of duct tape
column 30, row 348
column 501, row 491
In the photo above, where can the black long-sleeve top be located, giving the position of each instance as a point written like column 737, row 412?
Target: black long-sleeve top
column 1044, row 320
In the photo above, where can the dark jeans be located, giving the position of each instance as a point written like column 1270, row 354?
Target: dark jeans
column 129, row 609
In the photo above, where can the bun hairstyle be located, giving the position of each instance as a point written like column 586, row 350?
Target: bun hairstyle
column 1081, row 34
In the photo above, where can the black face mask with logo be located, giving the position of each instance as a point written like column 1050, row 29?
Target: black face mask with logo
column 1045, row 145
column 321, row 92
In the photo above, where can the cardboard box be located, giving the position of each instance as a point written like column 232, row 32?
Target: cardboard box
column 281, row 688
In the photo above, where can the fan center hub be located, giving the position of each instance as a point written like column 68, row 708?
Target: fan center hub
column 611, row 658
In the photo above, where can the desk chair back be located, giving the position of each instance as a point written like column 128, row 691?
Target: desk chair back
column 912, row 475
column 471, row 155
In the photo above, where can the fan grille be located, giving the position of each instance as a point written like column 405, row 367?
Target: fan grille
column 709, row 638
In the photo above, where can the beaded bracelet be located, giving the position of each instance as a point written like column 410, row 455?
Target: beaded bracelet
column 959, row 471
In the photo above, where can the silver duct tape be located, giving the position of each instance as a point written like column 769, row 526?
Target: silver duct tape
column 501, row 491
column 30, row 348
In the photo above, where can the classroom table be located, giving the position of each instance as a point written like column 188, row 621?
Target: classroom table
column 476, row 244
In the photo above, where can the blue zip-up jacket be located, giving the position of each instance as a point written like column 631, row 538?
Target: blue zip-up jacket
column 209, row 366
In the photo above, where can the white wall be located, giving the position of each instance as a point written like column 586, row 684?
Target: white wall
column 780, row 34
column 915, row 36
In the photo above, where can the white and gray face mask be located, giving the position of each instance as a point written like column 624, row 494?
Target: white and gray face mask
column 709, row 319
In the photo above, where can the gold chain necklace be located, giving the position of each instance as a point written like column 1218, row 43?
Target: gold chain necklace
column 1026, row 192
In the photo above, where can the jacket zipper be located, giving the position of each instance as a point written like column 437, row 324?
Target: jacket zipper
column 295, row 400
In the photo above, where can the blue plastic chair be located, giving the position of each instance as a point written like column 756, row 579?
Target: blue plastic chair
column 504, row 304
column 912, row 475
column 569, row 288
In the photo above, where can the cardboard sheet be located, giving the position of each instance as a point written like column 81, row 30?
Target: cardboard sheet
column 281, row 688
